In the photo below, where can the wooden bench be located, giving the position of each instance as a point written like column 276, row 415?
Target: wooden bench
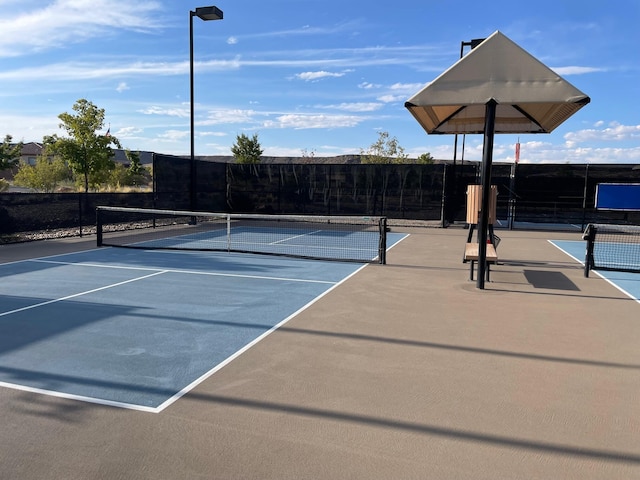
column 471, row 255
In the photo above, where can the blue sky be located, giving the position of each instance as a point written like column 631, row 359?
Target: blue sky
column 321, row 77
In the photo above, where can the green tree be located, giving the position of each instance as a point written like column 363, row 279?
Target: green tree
column 425, row 159
column 135, row 167
column 87, row 153
column 247, row 150
column 44, row 176
column 118, row 177
column 384, row 150
column 9, row 154
column 137, row 174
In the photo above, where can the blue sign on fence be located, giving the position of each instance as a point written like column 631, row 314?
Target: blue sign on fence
column 618, row 196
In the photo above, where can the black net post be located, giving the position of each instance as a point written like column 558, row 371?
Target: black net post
column 590, row 237
column 382, row 248
column 98, row 227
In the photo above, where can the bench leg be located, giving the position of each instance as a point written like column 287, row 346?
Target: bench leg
column 472, row 267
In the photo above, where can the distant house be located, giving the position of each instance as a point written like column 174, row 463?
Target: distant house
column 28, row 155
column 30, row 152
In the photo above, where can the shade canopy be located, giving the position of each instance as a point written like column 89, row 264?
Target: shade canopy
column 496, row 88
column 530, row 97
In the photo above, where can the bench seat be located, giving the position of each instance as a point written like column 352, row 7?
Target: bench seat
column 471, row 254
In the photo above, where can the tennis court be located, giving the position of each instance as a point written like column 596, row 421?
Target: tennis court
column 139, row 328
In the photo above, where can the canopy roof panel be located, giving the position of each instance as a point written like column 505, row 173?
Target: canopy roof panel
column 531, row 97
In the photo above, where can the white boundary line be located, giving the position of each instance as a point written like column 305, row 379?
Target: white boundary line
column 81, row 398
column 193, row 384
column 191, row 272
column 51, row 256
column 610, row 282
column 61, row 299
column 258, row 339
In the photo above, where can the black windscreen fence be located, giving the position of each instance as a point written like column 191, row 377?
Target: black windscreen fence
column 545, row 194
column 69, row 213
column 398, row 191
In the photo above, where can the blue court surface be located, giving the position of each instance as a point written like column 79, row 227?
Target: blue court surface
column 138, row 329
column 628, row 283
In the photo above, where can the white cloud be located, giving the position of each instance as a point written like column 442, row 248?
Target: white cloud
column 32, row 127
column 174, row 135
column 305, row 121
column 171, row 112
column 122, row 86
column 212, row 134
column 392, row 98
column 407, row 87
column 128, row 132
column 310, row 76
column 65, row 21
column 354, row 107
column 613, row 133
column 574, row 70
column 217, row 117
column 63, row 72
column 232, row 40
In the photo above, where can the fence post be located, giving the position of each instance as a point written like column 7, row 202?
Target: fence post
column 584, row 197
column 443, row 203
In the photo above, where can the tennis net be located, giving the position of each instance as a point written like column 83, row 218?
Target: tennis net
column 342, row 238
column 612, row 247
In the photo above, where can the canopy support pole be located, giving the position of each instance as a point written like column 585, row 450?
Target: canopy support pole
column 487, row 158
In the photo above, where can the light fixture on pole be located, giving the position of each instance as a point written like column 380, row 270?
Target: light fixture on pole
column 206, row 14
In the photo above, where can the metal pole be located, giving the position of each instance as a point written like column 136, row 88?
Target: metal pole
column 443, row 203
column 584, row 197
column 487, row 158
column 192, row 182
column 512, row 198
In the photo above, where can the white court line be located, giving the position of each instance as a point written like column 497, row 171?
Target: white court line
column 610, row 282
column 249, row 345
column 294, row 237
column 196, row 382
column 41, row 304
column 191, row 272
column 81, row 398
column 49, row 256
column 193, row 384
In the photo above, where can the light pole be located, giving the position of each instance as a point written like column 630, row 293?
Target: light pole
column 206, row 14
column 473, row 44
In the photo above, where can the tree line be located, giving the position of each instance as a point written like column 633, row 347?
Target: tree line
column 386, row 149
column 86, row 157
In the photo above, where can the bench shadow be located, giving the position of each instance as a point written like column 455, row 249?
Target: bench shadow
column 550, row 280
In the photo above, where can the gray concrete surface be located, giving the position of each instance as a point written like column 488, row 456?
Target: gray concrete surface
column 406, row 371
